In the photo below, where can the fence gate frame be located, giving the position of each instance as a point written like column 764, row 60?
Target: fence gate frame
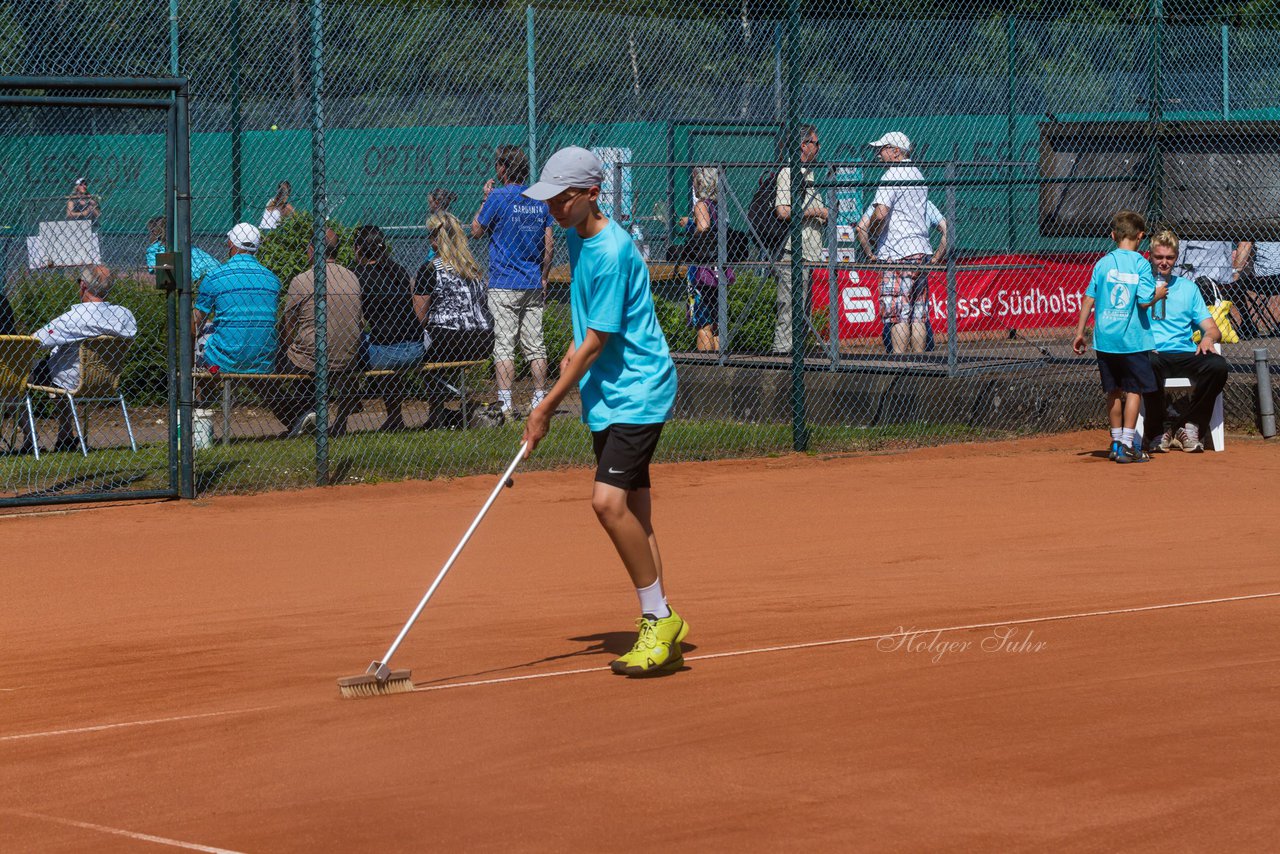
column 161, row 94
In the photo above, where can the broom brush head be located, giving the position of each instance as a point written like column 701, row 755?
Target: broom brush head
column 370, row 685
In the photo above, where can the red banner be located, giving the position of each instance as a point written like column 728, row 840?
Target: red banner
column 1045, row 293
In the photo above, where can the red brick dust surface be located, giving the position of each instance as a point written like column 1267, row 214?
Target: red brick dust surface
column 1005, row 646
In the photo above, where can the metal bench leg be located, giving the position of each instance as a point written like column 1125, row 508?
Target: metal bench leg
column 75, row 419
column 462, row 400
column 1216, row 427
column 31, row 423
column 127, row 426
column 226, row 412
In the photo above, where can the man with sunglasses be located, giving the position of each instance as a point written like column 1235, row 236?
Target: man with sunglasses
column 812, row 237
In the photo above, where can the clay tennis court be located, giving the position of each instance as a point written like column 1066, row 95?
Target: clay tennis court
column 169, row 669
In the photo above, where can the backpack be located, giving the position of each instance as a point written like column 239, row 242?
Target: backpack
column 762, row 214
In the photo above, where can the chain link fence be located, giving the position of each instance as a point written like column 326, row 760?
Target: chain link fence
column 383, row 127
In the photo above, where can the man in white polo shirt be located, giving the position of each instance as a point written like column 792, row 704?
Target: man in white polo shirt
column 91, row 317
column 899, row 229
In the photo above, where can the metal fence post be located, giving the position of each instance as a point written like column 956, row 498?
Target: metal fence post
column 1155, row 116
column 953, row 346
column 177, row 327
column 182, row 240
column 617, row 192
column 833, row 289
column 722, row 254
column 1011, row 52
column 531, row 78
column 237, row 117
column 319, row 204
column 799, row 328
column 1226, row 70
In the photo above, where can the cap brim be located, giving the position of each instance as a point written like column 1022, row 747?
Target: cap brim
column 542, row 191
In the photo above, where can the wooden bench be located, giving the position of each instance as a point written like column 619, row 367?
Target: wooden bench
column 228, row 380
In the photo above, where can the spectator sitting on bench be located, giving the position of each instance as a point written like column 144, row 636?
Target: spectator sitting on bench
column 1172, row 323
column 92, row 317
column 343, row 327
column 241, row 297
column 201, row 261
column 450, row 297
column 394, row 338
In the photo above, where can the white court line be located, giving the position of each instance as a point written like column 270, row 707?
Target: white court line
column 865, row 638
column 123, row 724
column 143, row 837
column 9, row 690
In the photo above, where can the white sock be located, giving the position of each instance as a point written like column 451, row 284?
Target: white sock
column 538, row 395
column 1127, row 437
column 1117, row 434
column 652, row 600
column 504, row 397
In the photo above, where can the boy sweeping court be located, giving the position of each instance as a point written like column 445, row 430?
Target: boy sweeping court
column 620, row 362
column 1122, row 288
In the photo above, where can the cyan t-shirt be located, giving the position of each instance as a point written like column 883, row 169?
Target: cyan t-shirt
column 201, row 261
column 242, row 295
column 1121, row 279
column 1184, row 311
column 633, row 381
column 517, row 227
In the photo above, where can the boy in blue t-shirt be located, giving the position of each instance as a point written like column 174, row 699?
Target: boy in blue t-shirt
column 1123, row 288
column 620, row 362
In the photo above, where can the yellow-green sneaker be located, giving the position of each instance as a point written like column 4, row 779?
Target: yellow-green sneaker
column 657, row 648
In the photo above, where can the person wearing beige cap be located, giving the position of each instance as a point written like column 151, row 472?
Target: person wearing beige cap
column 812, row 233
column 899, row 229
column 241, row 297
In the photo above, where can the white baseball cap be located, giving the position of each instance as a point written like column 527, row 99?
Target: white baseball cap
column 245, row 237
column 895, row 138
column 569, row 167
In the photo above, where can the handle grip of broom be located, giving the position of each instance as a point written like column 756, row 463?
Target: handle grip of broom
column 506, row 475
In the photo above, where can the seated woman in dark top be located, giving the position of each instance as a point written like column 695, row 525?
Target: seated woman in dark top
column 395, row 333
column 450, row 296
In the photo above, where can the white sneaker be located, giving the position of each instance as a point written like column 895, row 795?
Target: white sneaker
column 538, row 397
column 1189, row 438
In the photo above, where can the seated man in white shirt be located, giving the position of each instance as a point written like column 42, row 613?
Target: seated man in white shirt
column 91, row 317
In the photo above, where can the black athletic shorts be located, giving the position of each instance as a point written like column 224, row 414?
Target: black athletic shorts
column 1126, row 372
column 623, row 452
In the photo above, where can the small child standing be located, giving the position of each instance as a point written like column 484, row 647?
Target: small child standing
column 620, row 361
column 1122, row 288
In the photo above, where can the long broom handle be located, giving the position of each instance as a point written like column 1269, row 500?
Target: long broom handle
column 449, row 563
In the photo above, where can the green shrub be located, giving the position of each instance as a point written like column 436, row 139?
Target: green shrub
column 284, row 249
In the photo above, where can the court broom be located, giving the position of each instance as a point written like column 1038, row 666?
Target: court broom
column 380, row 679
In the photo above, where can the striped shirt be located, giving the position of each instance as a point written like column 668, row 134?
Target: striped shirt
column 242, row 295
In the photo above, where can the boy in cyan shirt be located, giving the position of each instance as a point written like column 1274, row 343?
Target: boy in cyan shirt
column 1122, row 289
column 620, row 362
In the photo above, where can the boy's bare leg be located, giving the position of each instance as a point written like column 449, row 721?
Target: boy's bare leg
column 639, row 503
column 630, row 536
column 1115, row 408
column 919, row 336
column 1132, row 403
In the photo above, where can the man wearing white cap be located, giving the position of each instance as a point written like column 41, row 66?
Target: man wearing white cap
column 899, row 225
column 627, row 381
column 241, row 296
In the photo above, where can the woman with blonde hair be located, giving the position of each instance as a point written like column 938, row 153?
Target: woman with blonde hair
column 450, row 297
column 704, row 289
